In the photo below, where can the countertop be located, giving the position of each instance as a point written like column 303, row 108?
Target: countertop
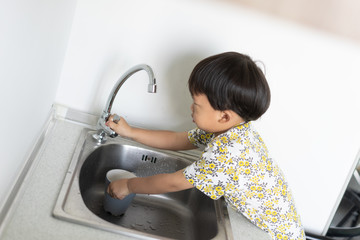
column 30, row 216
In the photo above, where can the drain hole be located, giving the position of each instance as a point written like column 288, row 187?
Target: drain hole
column 148, row 158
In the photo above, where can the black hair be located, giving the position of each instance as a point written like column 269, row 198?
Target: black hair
column 232, row 81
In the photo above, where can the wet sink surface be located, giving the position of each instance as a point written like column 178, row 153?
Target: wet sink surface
column 185, row 214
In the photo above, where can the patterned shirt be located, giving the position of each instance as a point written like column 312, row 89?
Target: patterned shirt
column 236, row 165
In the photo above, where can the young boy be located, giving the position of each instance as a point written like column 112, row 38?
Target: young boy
column 228, row 91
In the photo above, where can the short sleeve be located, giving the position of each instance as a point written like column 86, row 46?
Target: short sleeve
column 199, row 137
column 207, row 175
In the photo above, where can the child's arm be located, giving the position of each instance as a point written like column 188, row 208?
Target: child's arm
column 154, row 138
column 161, row 183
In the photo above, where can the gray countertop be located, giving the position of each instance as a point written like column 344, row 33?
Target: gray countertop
column 30, row 216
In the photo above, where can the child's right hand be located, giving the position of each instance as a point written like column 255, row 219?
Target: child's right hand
column 153, row 138
column 121, row 127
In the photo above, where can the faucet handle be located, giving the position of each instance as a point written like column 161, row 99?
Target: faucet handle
column 116, row 118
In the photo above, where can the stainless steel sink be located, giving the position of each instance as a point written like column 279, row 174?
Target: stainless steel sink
column 186, row 214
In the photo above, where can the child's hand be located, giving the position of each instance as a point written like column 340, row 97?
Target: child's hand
column 118, row 189
column 121, row 127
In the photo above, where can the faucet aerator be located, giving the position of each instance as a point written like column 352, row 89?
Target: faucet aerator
column 152, row 88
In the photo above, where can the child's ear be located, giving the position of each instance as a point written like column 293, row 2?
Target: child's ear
column 225, row 116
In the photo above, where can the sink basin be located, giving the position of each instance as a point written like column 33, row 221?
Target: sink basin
column 187, row 214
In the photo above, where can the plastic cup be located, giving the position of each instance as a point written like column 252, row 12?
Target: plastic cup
column 115, row 206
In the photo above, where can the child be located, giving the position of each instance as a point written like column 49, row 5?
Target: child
column 228, row 91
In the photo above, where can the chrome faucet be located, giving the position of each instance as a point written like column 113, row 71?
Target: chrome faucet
column 104, row 130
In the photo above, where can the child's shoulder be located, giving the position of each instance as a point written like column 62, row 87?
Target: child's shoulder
column 200, row 137
column 243, row 137
column 240, row 131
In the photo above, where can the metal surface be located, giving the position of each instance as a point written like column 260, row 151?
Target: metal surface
column 186, row 214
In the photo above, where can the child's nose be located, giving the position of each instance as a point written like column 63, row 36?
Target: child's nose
column 192, row 107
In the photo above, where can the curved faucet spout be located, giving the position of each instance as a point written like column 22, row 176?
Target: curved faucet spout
column 107, row 110
column 124, row 77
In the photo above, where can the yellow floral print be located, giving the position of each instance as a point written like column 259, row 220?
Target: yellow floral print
column 230, row 170
column 236, row 165
column 221, row 158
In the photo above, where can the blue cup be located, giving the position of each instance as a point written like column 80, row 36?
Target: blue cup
column 115, row 206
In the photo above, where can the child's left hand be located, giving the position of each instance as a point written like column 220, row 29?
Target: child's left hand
column 118, row 189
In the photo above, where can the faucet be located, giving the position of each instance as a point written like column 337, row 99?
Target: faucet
column 104, row 130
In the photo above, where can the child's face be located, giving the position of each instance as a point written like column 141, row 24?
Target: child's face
column 204, row 115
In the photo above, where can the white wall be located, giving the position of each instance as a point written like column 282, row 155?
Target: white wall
column 312, row 127
column 33, row 41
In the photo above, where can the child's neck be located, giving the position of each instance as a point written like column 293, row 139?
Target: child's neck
column 227, row 129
